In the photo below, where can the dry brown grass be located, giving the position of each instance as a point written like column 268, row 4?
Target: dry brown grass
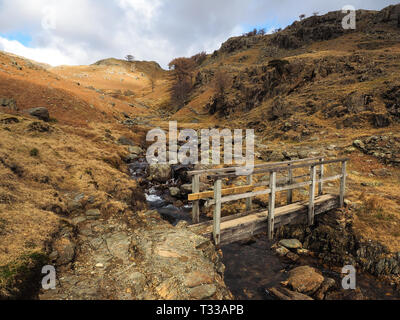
column 35, row 188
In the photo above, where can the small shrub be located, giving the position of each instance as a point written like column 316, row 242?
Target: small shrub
column 34, row 152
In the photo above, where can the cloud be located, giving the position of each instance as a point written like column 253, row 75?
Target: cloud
column 84, row 31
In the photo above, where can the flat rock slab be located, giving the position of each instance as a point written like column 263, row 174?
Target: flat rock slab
column 305, row 280
column 197, row 278
column 286, row 294
column 291, row 244
column 203, row 292
column 118, row 245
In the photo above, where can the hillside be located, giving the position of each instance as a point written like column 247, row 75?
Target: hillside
column 314, row 88
column 65, row 187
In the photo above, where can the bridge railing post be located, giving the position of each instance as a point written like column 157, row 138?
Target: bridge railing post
column 217, row 211
column 290, row 181
column 249, row 201
column 321, row 177
column 271, row 206
column 311, row 207
column 343, row 183
column 196, row 204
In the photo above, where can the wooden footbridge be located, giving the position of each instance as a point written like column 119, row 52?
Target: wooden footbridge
column 252, row 222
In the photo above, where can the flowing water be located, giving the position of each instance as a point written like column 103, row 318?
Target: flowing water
column 252, row 268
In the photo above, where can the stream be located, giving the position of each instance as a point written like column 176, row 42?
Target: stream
column 251, row 266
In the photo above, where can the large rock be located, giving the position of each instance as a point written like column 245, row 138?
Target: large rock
column 305, row 280
column 8, row 103
column 174, row 192
column 197, row 278
column 126, row 141
column 66, row 251
column 203, row 292
column 160, row 172
column 40, row 113
column 291, row 244
column 325, row 287
column 135, row 150
column 285, row 294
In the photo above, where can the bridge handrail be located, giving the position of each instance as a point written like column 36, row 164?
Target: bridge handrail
column 279, row 169
column 266, row 165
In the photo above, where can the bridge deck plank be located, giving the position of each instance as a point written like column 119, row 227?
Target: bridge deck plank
column 256, row 223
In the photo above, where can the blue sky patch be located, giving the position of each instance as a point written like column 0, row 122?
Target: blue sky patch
column 21, row 37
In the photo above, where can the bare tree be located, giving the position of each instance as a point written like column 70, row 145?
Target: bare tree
column 199, row 58
column 130, row 58
column 302, row 17
column 316, row 13
column 222, row 81
column 180, row 92
column 183, row 69
column 262, row 32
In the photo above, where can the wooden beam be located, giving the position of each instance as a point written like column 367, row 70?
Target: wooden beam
column 257, row 166
column 321, row 177
column 279, row 169
column 217, row 212
column 242, row 196
column 196, row 203
column 271, row 207
column 249, row 201
column 311, row 205
column 290, row 181
column 225, row 192
column 343, row 183
column 245, row 227
column 256, row 191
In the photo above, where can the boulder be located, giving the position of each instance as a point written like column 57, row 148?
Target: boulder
column 282, row 251
column 8, row 103
column 305, row 280
column 126, row 141
column 40, row 113
column 132, row 158
column 186, row 188
column 291, row 244
column 135, row 150
column 160, row 172
column 203, row 292
column 197, row 278
column 174, row 192
column 380, row 121
column 286, row 294
column 93, row 213
column 325, row 287
column 66, row 251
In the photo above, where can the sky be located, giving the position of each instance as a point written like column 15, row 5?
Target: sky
column 78, row 32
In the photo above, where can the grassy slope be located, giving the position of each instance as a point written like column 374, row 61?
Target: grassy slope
column 43, row 167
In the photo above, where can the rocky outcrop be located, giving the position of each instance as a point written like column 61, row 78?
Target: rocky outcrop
column 334, row 241
column 305, row 280
column 40, row 113
column 160, row 172
column 385, row 148
column 392, row 101
column 138, row 258
column 8, row 103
